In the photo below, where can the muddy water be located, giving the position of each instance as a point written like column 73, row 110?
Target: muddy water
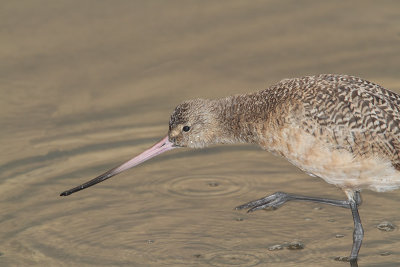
column 87, row 85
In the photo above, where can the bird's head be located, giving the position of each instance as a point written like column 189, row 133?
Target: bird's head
column 193, row 124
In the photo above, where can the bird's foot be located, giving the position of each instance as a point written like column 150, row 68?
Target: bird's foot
column 273, row 201
column 353, row 262
column 347, row 259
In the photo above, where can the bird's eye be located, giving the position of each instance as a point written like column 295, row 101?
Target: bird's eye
column 186, row 128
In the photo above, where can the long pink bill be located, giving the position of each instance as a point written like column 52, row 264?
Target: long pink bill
column 160, row 147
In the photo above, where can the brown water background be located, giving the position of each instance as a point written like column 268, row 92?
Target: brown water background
column 85, row 85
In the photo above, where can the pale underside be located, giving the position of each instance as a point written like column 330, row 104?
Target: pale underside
column 335, row 166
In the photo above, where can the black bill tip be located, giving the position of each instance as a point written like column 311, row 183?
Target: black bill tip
column 65, row 193
column 94, row 181
column 73, row 190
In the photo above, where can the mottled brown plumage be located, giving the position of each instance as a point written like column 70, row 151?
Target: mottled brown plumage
column 341, row 128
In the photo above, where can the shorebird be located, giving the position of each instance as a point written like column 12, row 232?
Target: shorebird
column 340, row 128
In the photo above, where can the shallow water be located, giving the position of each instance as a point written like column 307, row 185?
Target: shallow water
column 87, row 85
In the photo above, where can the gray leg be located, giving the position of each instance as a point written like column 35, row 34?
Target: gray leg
column 358, row 233
column 277, row 199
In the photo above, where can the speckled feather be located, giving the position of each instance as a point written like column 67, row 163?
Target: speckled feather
column 337, row 127
column 352, row 114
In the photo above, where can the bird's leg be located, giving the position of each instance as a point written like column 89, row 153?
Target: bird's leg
column 277, row 199
column 354, row 200
column 358, row 233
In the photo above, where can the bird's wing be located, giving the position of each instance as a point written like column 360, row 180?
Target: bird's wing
column 353, row 114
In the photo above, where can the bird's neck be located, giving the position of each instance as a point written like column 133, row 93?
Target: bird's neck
column 243, row 118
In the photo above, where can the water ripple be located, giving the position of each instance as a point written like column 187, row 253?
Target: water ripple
column 226, row 258
column 200, row 186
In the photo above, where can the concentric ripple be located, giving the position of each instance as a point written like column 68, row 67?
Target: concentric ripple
column 206, row 186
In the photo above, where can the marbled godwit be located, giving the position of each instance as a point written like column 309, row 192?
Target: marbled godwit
column 340, row 128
